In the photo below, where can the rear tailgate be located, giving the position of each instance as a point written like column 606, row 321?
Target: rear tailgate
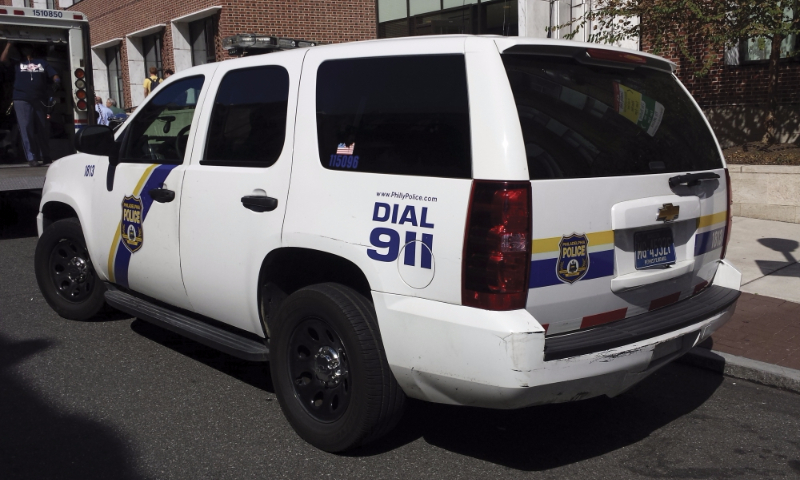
column 619, row 228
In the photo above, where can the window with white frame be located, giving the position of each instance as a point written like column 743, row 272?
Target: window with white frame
column 151, row 51
column 114, row 66
column 201, row 38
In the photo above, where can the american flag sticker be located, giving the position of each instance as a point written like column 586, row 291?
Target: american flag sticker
column 343, row 149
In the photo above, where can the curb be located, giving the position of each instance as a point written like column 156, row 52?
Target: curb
column 744, row 368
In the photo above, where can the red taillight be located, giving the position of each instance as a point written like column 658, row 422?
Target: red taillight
column 79, row 73
column 729, row 193
column 3, row 10
column 19, row 12
column 81, row 94
column 78, row 17
column 81, row 104
column 615, row 56
column 497, row 246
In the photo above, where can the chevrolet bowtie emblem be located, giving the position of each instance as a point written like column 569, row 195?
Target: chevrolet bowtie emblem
column 668, row 213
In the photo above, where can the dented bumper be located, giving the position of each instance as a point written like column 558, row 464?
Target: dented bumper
column 451, row 354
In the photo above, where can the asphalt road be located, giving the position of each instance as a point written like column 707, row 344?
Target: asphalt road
column 119, row 398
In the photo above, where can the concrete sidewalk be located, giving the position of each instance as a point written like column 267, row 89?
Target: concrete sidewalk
column 767, row 252
column 762, row 341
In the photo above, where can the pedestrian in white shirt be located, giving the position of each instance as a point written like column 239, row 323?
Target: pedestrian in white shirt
column 103, row 112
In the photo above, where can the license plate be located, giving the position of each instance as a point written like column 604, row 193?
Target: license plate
column 654, row 248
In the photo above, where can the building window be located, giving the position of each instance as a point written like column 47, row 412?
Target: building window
column 51, row 4
column 759, row 48
column 201, row 37
column 151, row 49
column 114, row 65
column 401, row 18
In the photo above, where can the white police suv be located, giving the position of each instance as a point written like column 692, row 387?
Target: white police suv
column 487, row 221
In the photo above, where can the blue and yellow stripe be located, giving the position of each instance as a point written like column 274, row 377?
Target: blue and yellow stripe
column 601, row 259
column 601, row 254
column 119, row 256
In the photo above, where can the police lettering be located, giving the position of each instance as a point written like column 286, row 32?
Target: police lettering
column 388, row 239
column 573, row 251
column 383, row 212
column 132, row 213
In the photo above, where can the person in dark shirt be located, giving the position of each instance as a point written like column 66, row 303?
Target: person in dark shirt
column 30, row 102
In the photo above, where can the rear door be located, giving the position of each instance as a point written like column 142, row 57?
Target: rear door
column 613, row 235
column 235, row 190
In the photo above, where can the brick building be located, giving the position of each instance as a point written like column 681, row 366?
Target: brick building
column 733, row 94
column 128, row 37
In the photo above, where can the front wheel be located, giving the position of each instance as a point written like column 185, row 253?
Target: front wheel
column 65, row 273
column 329, row 369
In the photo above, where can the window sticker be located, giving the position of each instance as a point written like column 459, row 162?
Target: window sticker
column 639, row 109
column 344, row 158
column 344, row 149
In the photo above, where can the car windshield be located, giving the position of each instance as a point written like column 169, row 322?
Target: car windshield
column 583, row 121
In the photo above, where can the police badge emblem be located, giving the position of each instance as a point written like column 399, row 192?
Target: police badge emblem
column 131, row 224
column 573, row 258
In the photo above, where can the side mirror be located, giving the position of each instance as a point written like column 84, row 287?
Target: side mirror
column 98, row 140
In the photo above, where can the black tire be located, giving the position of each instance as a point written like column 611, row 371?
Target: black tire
column 370, row 403
column 65, row 273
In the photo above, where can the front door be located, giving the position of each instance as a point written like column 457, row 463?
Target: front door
column 235, row 188
column 138, row 216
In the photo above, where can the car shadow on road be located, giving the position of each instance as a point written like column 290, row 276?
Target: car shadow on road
column 550, row 436
column 530, row 439
column 40, row 440
column 255, row 374
column 18, row 212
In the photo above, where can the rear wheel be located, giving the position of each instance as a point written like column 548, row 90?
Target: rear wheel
column 65, row 273
column 329, row 369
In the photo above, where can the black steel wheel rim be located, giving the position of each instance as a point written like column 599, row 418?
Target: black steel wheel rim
column 71, row 270
column 319, row 370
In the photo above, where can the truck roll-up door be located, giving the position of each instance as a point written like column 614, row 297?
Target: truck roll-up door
column 33, row 34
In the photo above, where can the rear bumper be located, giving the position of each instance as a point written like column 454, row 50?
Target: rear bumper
column 458, row 355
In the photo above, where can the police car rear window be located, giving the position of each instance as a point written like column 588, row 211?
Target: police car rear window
column 583, row 121
column 404, row 115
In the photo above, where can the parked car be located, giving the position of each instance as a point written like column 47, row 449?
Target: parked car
column 495, row 222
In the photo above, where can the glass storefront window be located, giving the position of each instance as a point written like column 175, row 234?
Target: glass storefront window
column 423, row 6
column 500, row 18
column 456, row 3
column 402, row 18
column 391, row 10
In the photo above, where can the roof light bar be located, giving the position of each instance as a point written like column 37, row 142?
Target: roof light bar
column 251, row 43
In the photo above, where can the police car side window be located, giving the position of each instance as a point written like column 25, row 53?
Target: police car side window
column 248, row 122
column 404, row 115
column 160, row 131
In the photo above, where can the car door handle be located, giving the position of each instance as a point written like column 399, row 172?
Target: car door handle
column 162, row 195
column 259, row 203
